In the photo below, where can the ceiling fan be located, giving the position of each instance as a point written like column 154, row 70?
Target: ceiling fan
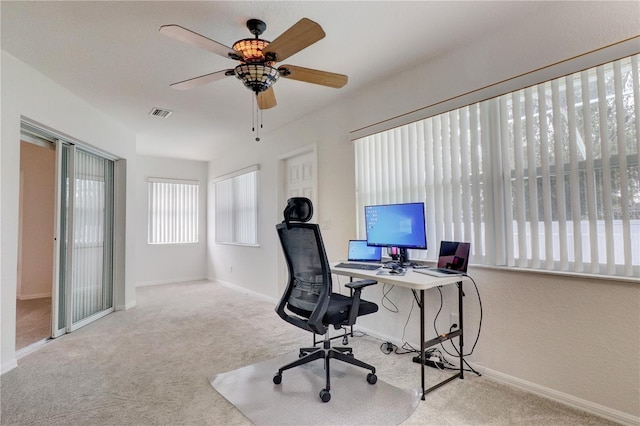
column 258, row 57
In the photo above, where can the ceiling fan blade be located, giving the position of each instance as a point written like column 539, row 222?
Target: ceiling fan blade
column 302, row 34
column 266, row 99
column 180, row 33
column 309, row 75
column 203, row 79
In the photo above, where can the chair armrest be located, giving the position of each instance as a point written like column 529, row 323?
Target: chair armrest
column 360, row 284
column 355, row 305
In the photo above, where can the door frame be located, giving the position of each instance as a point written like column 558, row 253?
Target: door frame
column 60, row 140
column 283, row 160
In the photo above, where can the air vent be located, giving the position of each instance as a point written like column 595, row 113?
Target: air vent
column 159, row 112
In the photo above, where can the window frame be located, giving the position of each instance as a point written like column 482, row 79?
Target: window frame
column 184, row 228
column 239, row 218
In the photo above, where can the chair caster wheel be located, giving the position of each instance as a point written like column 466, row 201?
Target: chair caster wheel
column 277, row 379
column 371, row 378
column 325, row 396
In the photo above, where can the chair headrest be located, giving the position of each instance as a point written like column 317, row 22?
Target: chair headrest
column 299, row 209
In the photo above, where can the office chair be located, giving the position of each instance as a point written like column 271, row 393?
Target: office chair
column 308, row 301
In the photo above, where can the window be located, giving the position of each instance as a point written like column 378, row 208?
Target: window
column 173, row 211
column 545, row 177
column 237, row 207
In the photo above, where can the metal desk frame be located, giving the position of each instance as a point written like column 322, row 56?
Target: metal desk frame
column 418, row 283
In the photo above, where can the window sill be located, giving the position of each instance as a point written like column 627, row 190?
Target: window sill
column 568, row 274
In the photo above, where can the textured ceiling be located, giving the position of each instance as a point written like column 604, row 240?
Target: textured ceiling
column 112, row 55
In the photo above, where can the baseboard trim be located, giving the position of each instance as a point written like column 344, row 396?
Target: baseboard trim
column 33, row 296
column 563, row 398
column 8, row 366
column 129, row 305
column 174, row 281
column 247, row 291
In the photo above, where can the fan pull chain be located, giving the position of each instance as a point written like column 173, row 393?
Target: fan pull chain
column 256, row 119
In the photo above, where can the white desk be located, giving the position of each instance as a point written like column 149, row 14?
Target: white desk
column 418, row 283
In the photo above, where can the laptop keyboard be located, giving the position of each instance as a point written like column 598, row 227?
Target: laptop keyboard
column 364, row 266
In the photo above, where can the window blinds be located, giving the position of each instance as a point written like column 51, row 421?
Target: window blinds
column 92, row 223
column 173, row 211
column 545, row 177
column 237, row 207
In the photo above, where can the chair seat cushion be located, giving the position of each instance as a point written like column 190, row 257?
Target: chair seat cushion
column 338, row 311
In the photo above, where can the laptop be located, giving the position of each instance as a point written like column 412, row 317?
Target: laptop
column 368, row 257
column 453, row 259
column 359, row 251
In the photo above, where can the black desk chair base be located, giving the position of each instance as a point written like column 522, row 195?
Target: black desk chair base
column 327, row 352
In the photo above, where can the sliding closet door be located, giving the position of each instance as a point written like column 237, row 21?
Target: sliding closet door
column 92, row 244
column 61, row 264
column 85, row 267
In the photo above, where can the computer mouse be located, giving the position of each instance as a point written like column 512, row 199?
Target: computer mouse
column 395, row 271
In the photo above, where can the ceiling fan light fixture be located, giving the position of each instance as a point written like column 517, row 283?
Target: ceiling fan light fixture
column 257, row 76
column 251, row 49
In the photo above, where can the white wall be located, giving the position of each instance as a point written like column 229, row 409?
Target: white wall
column 164, row 263
column 37, row 193
column 30, row 94
column 570, row 338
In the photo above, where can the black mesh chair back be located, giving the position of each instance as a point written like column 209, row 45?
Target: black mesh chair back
column 309, row 284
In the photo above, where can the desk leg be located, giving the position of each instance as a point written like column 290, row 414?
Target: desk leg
column 422, row 341
column 461, row 337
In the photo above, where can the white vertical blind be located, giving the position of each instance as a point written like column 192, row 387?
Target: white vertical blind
column 607, row 201
column 547, row 250
column 592, row 210
column 546, row 177
column 92, row 288
column 574, row 183
column 236, row 207
column 173, row 211
column 428, row 161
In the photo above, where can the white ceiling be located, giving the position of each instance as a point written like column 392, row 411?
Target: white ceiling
column 112, row 55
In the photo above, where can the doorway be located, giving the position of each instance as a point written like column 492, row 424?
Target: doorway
column 35, row 242
column 66, row 236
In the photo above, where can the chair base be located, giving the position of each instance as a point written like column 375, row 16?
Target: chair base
column 326, row 352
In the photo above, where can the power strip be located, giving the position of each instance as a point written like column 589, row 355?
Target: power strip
column 430, row 363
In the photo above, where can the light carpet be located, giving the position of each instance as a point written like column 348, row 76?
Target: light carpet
column 151, row 365
column 353, row 400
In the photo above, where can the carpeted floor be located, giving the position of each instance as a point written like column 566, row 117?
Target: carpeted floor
column 33, row 321
column 151, row 365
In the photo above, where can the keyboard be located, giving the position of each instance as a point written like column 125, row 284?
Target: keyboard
column 364, row 266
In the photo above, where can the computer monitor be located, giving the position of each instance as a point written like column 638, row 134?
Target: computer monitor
column 396, row 225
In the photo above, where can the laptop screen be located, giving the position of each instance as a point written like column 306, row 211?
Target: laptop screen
column 454, row 255
column 359, row 251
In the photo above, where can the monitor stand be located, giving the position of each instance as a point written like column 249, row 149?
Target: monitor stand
column 400, row 255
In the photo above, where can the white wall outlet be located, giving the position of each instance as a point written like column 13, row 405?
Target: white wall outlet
column 455, row 320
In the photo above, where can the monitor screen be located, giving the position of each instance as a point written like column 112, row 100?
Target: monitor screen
column 396, row 225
